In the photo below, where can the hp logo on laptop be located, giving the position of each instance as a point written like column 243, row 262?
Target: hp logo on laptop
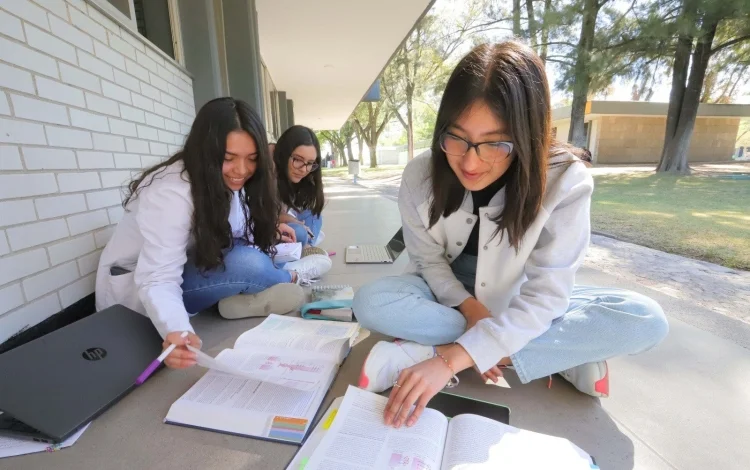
column 94, row 354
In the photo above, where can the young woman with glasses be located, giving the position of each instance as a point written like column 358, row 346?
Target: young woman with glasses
column 496, row 224
column 297, row 158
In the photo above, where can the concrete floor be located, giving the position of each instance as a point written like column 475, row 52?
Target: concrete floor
column 682, row 405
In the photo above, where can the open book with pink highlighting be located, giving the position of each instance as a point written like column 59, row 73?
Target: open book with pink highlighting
column 271, row 384
column 358, row 439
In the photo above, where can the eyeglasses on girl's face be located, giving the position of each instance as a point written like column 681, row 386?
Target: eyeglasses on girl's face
column 299, row 163
column 488, row 152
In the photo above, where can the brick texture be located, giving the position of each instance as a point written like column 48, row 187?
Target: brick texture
column 84, row 105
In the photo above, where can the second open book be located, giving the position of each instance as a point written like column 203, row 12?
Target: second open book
column 358, row 439
column 271, row 384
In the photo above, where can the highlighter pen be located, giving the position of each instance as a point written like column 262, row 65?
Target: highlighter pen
column 152, row 367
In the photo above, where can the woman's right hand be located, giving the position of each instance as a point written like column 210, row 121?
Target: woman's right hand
column 181, row 357
column 286, row 233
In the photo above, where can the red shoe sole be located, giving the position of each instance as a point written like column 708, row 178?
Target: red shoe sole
column 602, row 386
column 364, row 381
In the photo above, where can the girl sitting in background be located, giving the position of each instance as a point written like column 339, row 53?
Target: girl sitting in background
column 297, row 158
column 200, row 228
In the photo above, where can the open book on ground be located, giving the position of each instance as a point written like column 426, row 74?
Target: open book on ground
column 271, row 384
column 358, row 439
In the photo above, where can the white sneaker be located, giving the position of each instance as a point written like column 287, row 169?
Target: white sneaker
column 386, row 361
column 591, row 379
column 319, row 239
column 309, row 268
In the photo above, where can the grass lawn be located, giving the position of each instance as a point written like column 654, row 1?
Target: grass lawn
column 700, row 217
column 382, row 171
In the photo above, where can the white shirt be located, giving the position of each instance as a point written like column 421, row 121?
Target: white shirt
column 525, row 290
column 152, row 241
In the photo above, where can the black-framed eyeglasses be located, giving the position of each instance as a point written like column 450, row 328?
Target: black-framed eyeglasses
column 300, row 163
column 488, row 152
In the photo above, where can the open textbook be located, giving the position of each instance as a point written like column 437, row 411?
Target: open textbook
column 271, row 384
column 358, row 439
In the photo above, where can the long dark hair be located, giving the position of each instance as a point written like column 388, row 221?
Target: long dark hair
column 308, row 193
column 510, row 78
column 203, row 158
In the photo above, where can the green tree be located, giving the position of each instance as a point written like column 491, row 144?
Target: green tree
column 341, row 142
column 703, row 29
column 582, row 72
column 370, row 120
column 419, row 64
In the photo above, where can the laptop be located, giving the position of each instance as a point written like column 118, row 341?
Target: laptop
column 54, row 385
column 376, row 254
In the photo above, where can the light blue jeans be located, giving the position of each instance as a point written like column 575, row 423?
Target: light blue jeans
column 600, row 323
column 313, row 222
column 247, row 270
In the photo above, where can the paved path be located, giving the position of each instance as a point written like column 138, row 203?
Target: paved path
column 713, row 287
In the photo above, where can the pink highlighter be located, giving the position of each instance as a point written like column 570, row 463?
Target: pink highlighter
column 152, row 367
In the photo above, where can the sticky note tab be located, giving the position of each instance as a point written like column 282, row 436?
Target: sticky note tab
column 303, row 463
column 329, row 421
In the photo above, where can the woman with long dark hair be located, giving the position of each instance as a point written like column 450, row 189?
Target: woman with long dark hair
column 297, row 159
column 200, row 228
column 496, row 224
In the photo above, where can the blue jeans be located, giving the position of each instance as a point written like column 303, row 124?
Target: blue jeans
column 309, row 221
column 247, row 270
column 600, row 323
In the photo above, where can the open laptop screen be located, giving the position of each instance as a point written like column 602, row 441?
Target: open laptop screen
column 396, row 245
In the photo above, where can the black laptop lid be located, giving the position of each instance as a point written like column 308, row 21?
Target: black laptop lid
column 64, row 379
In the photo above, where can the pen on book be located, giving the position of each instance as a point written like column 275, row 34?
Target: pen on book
column 152, row 367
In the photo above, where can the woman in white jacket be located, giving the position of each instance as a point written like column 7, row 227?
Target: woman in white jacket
column 200, row 228
column 496, row 224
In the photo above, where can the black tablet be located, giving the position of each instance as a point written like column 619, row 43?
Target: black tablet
column 453, row 405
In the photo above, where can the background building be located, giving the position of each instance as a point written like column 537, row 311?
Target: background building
column 621, row 132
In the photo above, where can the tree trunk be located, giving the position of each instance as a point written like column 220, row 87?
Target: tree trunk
column 350, row 152
column 361, row 146
column 517, row 18
column 532, row 23
column 545, row 30
column 675, row 159
column 679, row 76
column 373, row 154
column 577, row 133
column 410, row 123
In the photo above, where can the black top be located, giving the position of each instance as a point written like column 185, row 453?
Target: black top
column 481, row 198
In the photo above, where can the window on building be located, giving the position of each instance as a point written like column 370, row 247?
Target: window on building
column 156, row 20
column 122, row 5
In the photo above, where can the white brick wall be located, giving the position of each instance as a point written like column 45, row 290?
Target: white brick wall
column 84, row 106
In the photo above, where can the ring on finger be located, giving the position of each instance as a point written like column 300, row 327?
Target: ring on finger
column 395, row 384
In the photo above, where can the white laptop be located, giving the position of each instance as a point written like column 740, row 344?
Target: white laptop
column 376, row 254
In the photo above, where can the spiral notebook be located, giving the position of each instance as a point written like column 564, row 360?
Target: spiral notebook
column 330, row 302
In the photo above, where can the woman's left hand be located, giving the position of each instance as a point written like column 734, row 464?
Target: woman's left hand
column 286, row 233
column 416, row 385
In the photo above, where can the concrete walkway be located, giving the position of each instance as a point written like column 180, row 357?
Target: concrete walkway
column 683, row 405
